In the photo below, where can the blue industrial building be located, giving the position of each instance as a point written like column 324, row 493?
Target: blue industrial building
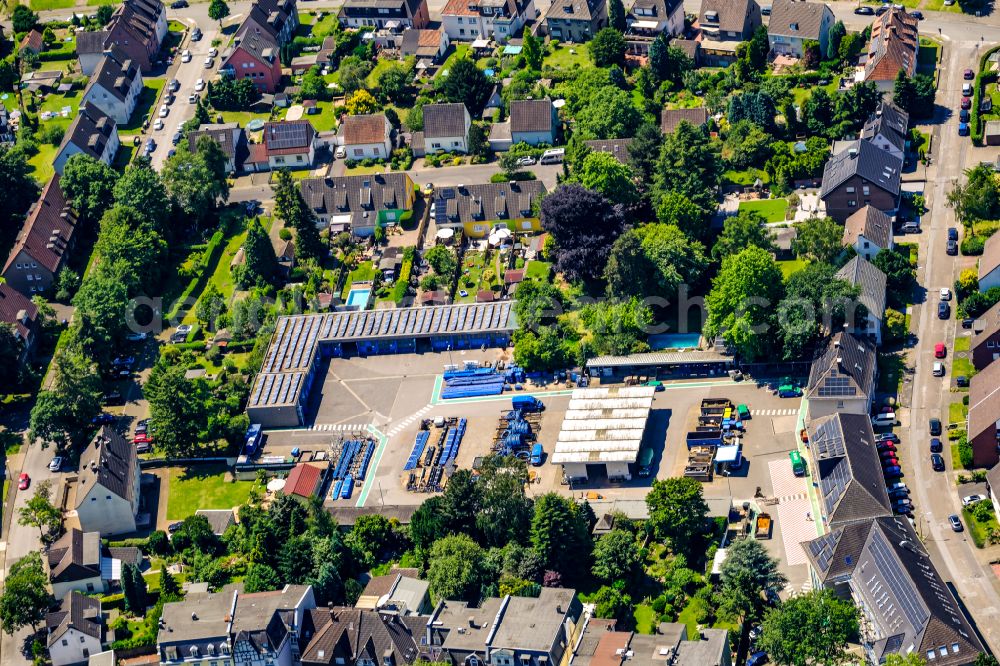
column 281, row 391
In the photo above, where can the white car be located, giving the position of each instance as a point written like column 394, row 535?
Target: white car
column 341, row 152
column 886, row 419
column 213, row 52
column 972, row 499
column 192, row 98
column 209, row 62
column 158, row 124
column 164, row 110
column 57, row 462
column 945, row 294
column 186, row 56
column 938, row 370
column 199, row 85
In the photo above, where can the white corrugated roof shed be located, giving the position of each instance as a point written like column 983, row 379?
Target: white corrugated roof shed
column 604, row 425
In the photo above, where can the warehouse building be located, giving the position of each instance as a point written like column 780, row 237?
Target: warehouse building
column 603, row 427
column 281, row 391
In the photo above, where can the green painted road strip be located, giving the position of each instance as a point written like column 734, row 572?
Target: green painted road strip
column 373, row 467
column 436, row 398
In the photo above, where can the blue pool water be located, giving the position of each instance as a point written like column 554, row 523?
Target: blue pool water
column 675, row 341
column 358, row 297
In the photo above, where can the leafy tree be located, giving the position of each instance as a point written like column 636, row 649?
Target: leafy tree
column 479, row 139
column 195, row 533
column 603, row 173
column 666, row 62
column 130, row 252
column 218, row 10
column 231, row 95
column 538, row 303
column 134, row 589
column 644, row 152
column 816, row 302
column 393, row 82
column 313, row 85
column 899, row 274
column 467, row 84
column 748, row 575
column 617, row 327
column 904, row 92
column 211, row 305
column 924, row 91
column 141, row 189
column 18, row 191
column 753, row 54
column 677, row 510
column 584, row 225
column 911, row 659
column 979, row 198
column 40, row 512
column 746, row 144
column 983, row 659
column 745, row 229
column 292, row 209
column 616, row 556
column 612, row 603
column 25, row 599
column 442, row 260
column 261, row 578
column 460, row 502
column 858, row 103
column 689, row 165
column 607, row 48
column 560, row 535
column 833, row 40
column 676, row 209
column 610, row 115
column 90, row 184
column 549, row 348
column 653, row 259
column 456, row 568
column 756, row 107
column 23, row 19
column 895, row 324
column 616, row 16
column 742, row 301
column 819, row 239
column 532, row 50
column 178, row 408
column 195, row 180
column 817, row 112
column 361, row 103
column 504, row 511
column 427, row 524
column 811, row 628
column 62, row 414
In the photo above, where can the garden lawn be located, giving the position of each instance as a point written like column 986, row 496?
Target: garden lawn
column 93, row 3
column 567, row 56
column 962, row 367
column 538, row 270
column 472, row 280
column 962, row 343
column 41, row 164
column 203, row 487
column 773, row 210
column 791, row 266
column 957, row 412
column 461, row 50
column 222, row 277
column 46, row 5
column 151, row 89
column 365, row 272
column 696, row 608
column 645, row 619
column 977, row 530
column 325, row 26
column 324, row 121
column 241, row 117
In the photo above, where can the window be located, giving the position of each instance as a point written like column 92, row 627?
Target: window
column 83, row 639
column 298, row 158
column 376, row 151
column 930, row 655
column 460, row 20
column 840, row 404
column 866, row 190
column 107, row 497
column 954, row 648
column 943, row 650
column 526, row 225
column 852, row 203
column 359, row 151
column 461, row 31
column 65, row 642
column 90, row 587
column 867, row 245
column 478, row 228
column 850, row 190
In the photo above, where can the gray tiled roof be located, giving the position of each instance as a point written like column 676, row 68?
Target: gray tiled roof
column 863, row 273
column 574, row 10
column 864, row 159
column 794, row 18
column 891, row 122
column 110, row 461
column 90, row 42
column 75, row 555
column 76, row 612
column 443, row 120
column 260, row 45
column 844, row 367
column 617, row 147
column 116, row 73
column 661, row 9
column 223, row 134
column 733, row 14
column 984, row 327
column 871, row 223
column 849, row 472
column 355, row 194
column 90, row 131
column 487, row 202
column 531, row 115
column 534, row 624
column 984, row 399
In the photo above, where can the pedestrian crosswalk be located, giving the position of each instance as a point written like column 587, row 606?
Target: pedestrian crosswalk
column 775, row 412
column 794, row 510
column 338, row 427
column 405, row 423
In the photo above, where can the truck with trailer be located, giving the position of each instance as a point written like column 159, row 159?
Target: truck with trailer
column 645, row 462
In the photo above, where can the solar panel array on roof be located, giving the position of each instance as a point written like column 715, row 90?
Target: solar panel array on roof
column 896, row 581
column 287, row 135
column 276, row 389
column 837, row 386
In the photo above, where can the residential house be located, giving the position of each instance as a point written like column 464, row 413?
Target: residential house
column 722, row 25
column 107, row 494
column 868, row 231
column 6, row 130
column 18, row 312
column 305, row 480
column 195, row 631
column 290, row 144
column 390, row 263
column 985, row 345
column 861, row 175
column 284, row 252
column 576, row 20
column 892, row 48
column 93, row 133
column 499, row 20
column 32, row 41
column 254, row 56
column 984, row 415
column 400, row 14
column 533, row 121
column 359, row 203
column 361, row 637
column 79, row 562
column 647, row 19
column 446, row 127
column 601, row 644
column 887, row 129
column 277, row 18
column 138, row 28
column 860, row 272
column 75, row 630
column 842, row 376
column 616, row 147
column 905, row 605
column 690, row 47
column 366, row 137
column 400, row 591
column 989, row 264
column 115, row 86
column 477, row 209
column 794, row 22
column 508, row 630
column 425, row 44
column 993, row 488
column 671, row 118
column 847, row 470
column 90, row 49
column 232, row 139
column 44, row 243
column 219, row 520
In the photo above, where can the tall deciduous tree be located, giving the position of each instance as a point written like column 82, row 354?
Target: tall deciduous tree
column 467, row 84
column 740, row 231
column 584, row 225
column 90, row 184
column 644, row 151
column 218, row 10
column 689, row 164
column 456, row 568
column 607, row 48
column 616, row 15
column 616, row 556
column 140, row 188
column 25, row 600
column 40, row 512
column 610, row 114
column 812, row 628
column 532, row 50
column 654, row 259
column 178, row 407
column 604, row 174
column 749, row 576
column 18, row 191
column 504, row 512
column 742, row 302
column 819, row 239
column 560, row 535
column 677, row 510
column 62, row 415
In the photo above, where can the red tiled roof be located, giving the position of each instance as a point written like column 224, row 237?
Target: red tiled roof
column 364, row 129
column 302, row 480
column 12, row 303
column 50, row 222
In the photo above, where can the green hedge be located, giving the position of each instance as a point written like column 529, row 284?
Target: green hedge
column 204, row 262
column 982, row 78
column 972, row 246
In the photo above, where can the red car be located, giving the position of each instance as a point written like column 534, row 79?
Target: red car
column 887, row 447
column 890, row 462
column 966, row 103
column 968, row 75
column 143, row 438
column 940, row 350
column 888, row 454
column 23, row 481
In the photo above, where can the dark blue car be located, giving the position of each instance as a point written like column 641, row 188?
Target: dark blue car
column 963, row 129
column 757, row 659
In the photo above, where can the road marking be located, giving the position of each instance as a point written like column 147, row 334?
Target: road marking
column 373, row 466
column 436, row 398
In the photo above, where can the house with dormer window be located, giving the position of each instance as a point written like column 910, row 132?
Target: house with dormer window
column 477, row 209
column 499, row 20
column 359, row 203
column 842, row 376
column 795, row 22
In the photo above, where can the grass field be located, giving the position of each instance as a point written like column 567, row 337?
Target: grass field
column 567, row 57
column 773, row 210
column 957, row 412
column 461, row 50
column 961, row 366
column 979, row 531
column 538, row 270
column 203, row 487
column 790, row 266
column 365, row 272
column 744, row 178
column 645, row 619
column 41, row 164
column 144, row 106
column 46, row 5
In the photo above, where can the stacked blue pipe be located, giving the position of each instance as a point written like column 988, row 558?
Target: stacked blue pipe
column 472, row 383
column 365, row 459
column 345, row 493
column 418, row 450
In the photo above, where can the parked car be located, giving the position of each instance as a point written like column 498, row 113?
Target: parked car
column 186, row 55
column 944, row 310
column 164, row 111
column 967, row 89
column 527, row 160
column 199, row 85
column 940, row 351
column 881, row 10
column 173, row 527
column 952, row 248
column 766, row 10
column 174, row 86
column 56, row 464
column 136, row 337
column 180, row 335
column 972, row 499
column 143, row 447
column 176, row 138
column 143, row 437
column 884, row 419
column 956, row 523
column 212, row 52
column 968, row 74
column 968, row 322
column 23, row 481
column 192, row 98
column 898, row 486
column 963, row 130
column 179, row 4
column 890, row 462
column 196, row 34
column 966, row 103
column 103, row 418
column 936, row 446
column 944, row 294
column 952, row 233
column 864, row 10
column 158, row 124
column 888, row 437
column 758, row 659
column 887, row 447
column 934, row 425
column 964, row 115
column 123, row 360
column 937, row 462
column 892, row 472
column 962, row 381
column 789, row 391
column 910, row 227
column 209, row 62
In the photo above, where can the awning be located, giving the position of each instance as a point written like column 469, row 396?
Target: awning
column 481, row 44
column 510, row 49
column 645, row 25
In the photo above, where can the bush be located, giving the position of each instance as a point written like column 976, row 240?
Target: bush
column 285, row 234
column 517, row 175
column 972, row 246
column 965, row 455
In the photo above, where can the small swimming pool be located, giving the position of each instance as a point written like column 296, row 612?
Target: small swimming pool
column 358, row 298
column 675, row 341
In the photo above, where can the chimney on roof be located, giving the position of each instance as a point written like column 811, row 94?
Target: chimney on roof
column 472, row 621
column 840, row 360
column 853, row 152
column 836, row 344
column 22, row 316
